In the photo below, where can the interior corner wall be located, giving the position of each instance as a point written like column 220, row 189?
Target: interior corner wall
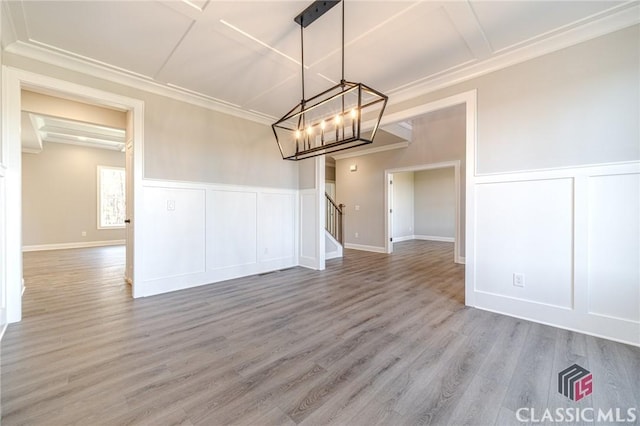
column 59, row 196
column 437, row 137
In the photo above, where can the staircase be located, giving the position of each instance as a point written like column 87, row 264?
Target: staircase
column 334, row 228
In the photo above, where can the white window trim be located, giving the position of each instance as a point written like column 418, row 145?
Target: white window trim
column 99, row 197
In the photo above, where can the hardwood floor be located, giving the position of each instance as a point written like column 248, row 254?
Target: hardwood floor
column 374, row 339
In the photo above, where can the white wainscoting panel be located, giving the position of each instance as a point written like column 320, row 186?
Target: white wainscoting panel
column 173, row 232
column 614, row 246
column 215, row 233
column 231, row 228
column 575, row 235
column 277, row 223
column 525, row 227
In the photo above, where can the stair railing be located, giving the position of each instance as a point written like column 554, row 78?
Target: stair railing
column 333, row 218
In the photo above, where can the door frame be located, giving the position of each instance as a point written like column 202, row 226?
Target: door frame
column 14, row 80
column 389, row 202
column 470, row 100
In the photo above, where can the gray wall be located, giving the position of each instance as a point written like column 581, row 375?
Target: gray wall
column 59, row 194
column 435, row 203
column 330, row 172
column 191, row 143
column 65, row 108
column 306, row 173
column 579, row 105
column 437, row 137
column 403, row 205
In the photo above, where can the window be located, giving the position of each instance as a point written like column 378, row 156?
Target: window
column 111, row 201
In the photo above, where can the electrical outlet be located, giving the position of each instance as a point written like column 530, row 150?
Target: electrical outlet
column 171, row 205
column 84, row 233
column 357, row 235
column 357, row 207
column 518, row 279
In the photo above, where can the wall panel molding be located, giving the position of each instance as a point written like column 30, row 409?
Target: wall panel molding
column 232, row 231
column 585, row 221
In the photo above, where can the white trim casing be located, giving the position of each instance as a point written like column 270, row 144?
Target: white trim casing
column 13, row 81
column 312, row 220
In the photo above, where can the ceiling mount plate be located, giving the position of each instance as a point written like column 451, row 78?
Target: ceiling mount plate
column 313, row 12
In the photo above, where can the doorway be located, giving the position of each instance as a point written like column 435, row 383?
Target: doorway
column 15, row 81
column 402, row 196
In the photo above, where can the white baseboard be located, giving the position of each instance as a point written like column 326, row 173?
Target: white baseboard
column 461, row 260
column 434, row 238
column 363, row 247
column 63, row 246
column 405, row 238
column 333, row 255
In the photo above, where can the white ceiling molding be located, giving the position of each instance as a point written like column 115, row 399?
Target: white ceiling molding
column 482, row 58
column 402, row 130
column 369, row 151
column 109, row 73
column 61, row 130
column 627, row 15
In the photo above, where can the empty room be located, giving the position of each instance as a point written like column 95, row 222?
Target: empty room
column 345, row 212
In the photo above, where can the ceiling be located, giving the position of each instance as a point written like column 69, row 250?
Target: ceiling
column 39, row 128
column 245, row 55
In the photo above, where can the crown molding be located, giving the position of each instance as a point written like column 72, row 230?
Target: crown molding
column 623, row 16
column 626, row 15
column 84, row 65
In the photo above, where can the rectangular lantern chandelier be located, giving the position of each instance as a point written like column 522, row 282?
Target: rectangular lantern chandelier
column 332, row 120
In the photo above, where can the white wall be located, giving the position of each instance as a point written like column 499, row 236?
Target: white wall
column 403, row 206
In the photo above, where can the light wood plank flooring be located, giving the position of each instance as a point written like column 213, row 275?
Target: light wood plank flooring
column 374, row 339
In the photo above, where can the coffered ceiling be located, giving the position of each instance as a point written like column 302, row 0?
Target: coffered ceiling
column 245, row 55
